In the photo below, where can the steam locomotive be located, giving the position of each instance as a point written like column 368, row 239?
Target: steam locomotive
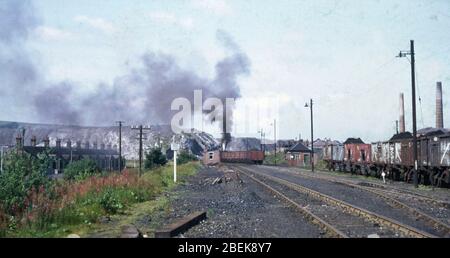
column 395, row 157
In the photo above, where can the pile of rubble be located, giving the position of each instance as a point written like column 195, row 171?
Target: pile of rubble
column 229, row 175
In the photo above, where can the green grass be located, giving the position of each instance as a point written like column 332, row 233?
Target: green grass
column 272, row 159
column 124, row 203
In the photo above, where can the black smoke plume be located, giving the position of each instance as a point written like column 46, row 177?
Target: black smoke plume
column 143, row 94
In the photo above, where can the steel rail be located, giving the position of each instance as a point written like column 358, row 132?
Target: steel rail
column 418, row 196
column 436, row 223
column 395, row 225
column 334, row 232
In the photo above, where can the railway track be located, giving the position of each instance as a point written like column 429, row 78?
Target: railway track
column 328, row 228
column 369, row 216
column 412, row 194
column 384, row 194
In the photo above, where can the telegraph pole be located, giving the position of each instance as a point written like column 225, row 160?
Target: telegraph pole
column 413, row 86
column 120, row 144
column 140, row 138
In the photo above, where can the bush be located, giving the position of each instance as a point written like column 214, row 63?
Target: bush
column 22, row 173
column 154, row 158
column 81, row 169
column 184, row 157
column 110, row 201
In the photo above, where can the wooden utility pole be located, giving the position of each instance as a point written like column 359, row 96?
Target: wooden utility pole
column 140, row 138
column 120, row 144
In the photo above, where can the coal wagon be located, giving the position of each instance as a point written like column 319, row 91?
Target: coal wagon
column 251, row 157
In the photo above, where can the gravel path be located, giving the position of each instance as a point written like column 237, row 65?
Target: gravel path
column 237, row 207
column 353, row 196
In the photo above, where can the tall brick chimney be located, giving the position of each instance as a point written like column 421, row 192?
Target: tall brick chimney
column 86, row 145
column 402, row 114
column 58, row 143
column 69, row 143
column 78, row 144
column 439, row 106
column 94, row 145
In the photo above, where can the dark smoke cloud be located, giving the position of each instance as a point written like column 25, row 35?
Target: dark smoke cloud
column 144, row 94
column 18, row 73
column 53, row 102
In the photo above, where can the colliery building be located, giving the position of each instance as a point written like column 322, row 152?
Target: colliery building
column 106, row 157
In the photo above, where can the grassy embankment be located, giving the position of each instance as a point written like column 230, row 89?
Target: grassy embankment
column 78, row 206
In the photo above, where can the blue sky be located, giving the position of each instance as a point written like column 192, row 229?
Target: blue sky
column 340, row 53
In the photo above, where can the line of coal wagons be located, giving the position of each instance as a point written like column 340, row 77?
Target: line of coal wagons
column 395, row 158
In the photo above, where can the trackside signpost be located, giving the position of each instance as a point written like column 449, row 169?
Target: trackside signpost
column 175, row 147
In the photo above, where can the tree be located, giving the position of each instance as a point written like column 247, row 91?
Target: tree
column 185, row 157
column 23, row 172
column 154, row 158
column 81, row 169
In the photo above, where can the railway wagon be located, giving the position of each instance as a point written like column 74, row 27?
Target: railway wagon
column 255, row 157
column 333, row 155
column 434, row 159
column 395, row 158
column 358, row 153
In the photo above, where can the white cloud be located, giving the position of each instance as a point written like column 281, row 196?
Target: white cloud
column 97, row 23
column 171, row 19
column 50, row 33
column 219, row 7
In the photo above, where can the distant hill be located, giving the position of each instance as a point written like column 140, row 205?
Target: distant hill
column 195, row 141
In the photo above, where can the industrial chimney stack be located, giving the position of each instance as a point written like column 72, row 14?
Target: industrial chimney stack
column 402, row 114
column 439, row 106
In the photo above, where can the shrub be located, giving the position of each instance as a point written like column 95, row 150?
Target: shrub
column 155, row 158
column 110, row 201
column 22, row 173
column 184, row 157
column 81, row 169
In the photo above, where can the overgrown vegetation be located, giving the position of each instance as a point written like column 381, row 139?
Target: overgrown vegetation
column 81, row 169
column 22, row 173
column 32, row 205
column 154, row 158
column 184, row 157
column 279, row 159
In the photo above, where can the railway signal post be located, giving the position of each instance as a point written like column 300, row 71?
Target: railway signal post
column 175, row 147
column 413, row 85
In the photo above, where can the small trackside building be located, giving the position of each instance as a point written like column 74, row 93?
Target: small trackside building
column 211, row 158
column 299, row 155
